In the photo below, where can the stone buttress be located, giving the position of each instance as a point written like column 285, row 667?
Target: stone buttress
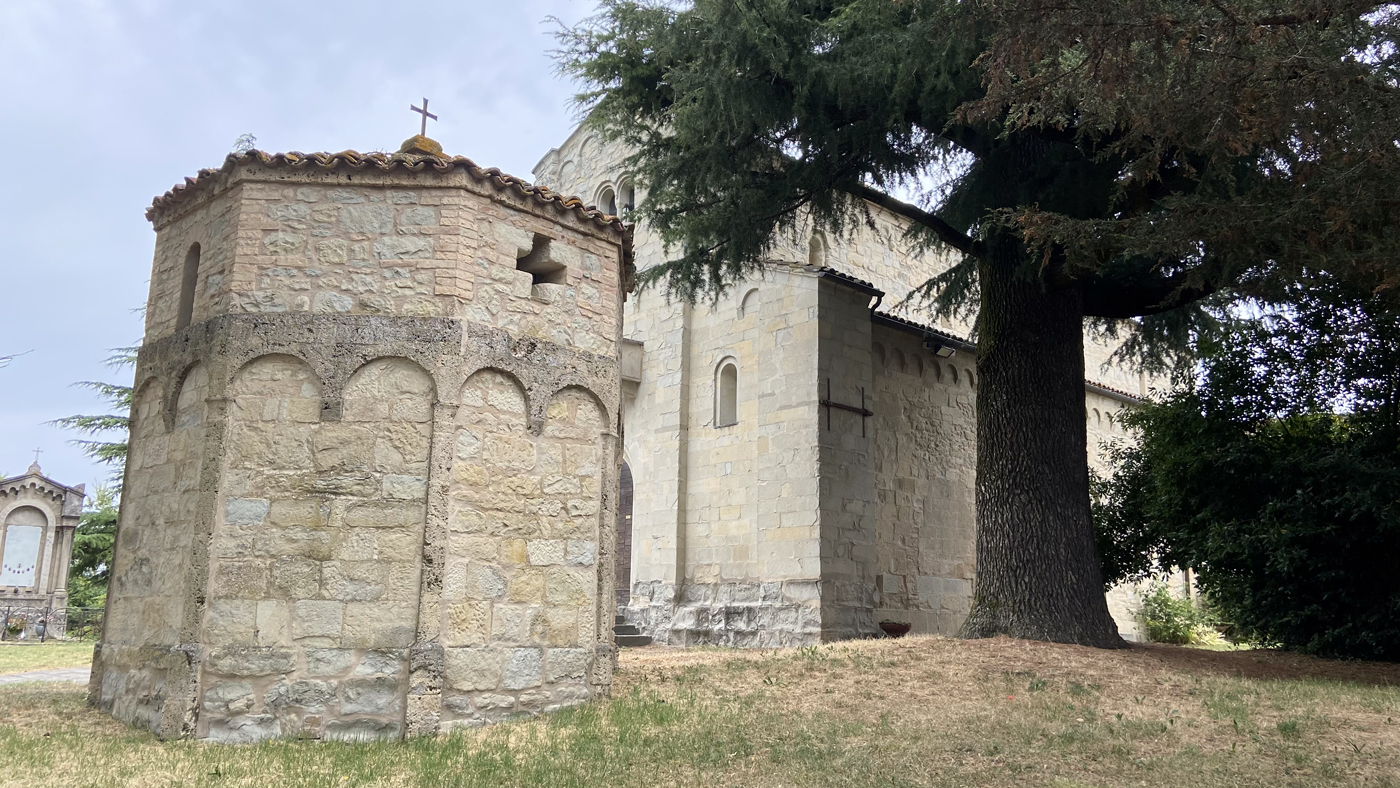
column 374, row 454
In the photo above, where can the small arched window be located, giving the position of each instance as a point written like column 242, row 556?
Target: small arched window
column 629, row 197
column 607, row 202
column 727, row 395
column 816, row 250
column 188, row 281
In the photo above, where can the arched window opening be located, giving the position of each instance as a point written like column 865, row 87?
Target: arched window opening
column 629, row 198
column 816, row 250
column 187, row 286
column 727, row 395
column 607, row 202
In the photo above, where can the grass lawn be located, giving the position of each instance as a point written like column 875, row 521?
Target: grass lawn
column 21, row 657
column 886, row 714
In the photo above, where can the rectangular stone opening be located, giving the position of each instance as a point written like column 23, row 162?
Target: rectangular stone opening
column 540, row 265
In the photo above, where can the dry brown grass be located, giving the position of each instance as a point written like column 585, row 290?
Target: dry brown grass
column 1079, row 715
column 911, row 712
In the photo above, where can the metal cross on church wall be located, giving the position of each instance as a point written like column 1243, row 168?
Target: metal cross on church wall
column 828, row 403
column 426, row 114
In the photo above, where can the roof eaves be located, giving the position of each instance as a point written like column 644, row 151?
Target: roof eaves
column 827, row 272
column 384, row 162
column 13, row 480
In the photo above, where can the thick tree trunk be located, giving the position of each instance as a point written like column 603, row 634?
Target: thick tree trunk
column 1038, row 574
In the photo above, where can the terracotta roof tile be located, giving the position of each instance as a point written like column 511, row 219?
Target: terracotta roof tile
column 828, row 272
column 905, row 323
column 384, row 162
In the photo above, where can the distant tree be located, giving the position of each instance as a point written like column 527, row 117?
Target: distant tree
column 96, row 532
column 108, row 443
column 92, row 550
column 1111, row 161
column 1277, row 478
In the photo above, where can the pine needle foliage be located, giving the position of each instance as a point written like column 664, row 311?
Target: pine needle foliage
column 1166, row 157
column 1139, row 166
column 102, row 426
column 93, row 541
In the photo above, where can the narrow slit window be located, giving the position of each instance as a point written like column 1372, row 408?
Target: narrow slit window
column 727, row 395
column 188, row 282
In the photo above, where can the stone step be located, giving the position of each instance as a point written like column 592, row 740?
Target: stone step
column 628, row 641
column 626, row 629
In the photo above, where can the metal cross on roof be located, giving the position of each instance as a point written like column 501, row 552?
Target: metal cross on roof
column 37, row 452
column 426, row 114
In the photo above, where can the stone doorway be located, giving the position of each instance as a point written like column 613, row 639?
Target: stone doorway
column 623, row 584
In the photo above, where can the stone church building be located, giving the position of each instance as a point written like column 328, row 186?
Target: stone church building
column 799, row 454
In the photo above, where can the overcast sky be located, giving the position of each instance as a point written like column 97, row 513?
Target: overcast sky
column 105, row 104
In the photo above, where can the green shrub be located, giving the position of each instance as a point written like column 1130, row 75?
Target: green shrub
column 1168, row 619
column 1276, row 478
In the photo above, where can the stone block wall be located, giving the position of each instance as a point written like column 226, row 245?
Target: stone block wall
column 386, row 245
column 925, row 460
column 748, row 550
column 520, row 596
column 343, row 523
column 848, row 517
column 151, row 608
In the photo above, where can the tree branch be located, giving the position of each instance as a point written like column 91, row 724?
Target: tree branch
column 1139, row 298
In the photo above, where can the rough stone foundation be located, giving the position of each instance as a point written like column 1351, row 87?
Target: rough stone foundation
column 774, row 614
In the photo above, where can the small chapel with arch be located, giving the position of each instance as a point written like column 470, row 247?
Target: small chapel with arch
column 38, row 519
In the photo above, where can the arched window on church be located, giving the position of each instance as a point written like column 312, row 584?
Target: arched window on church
column 629, row 197
column 727, row 394
column 816, row 250
column 607, row 201
column 188, row 281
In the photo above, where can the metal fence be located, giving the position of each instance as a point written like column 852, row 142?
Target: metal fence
column 45, row 622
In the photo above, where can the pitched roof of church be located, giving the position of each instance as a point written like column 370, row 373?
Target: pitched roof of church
column 385, row 162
